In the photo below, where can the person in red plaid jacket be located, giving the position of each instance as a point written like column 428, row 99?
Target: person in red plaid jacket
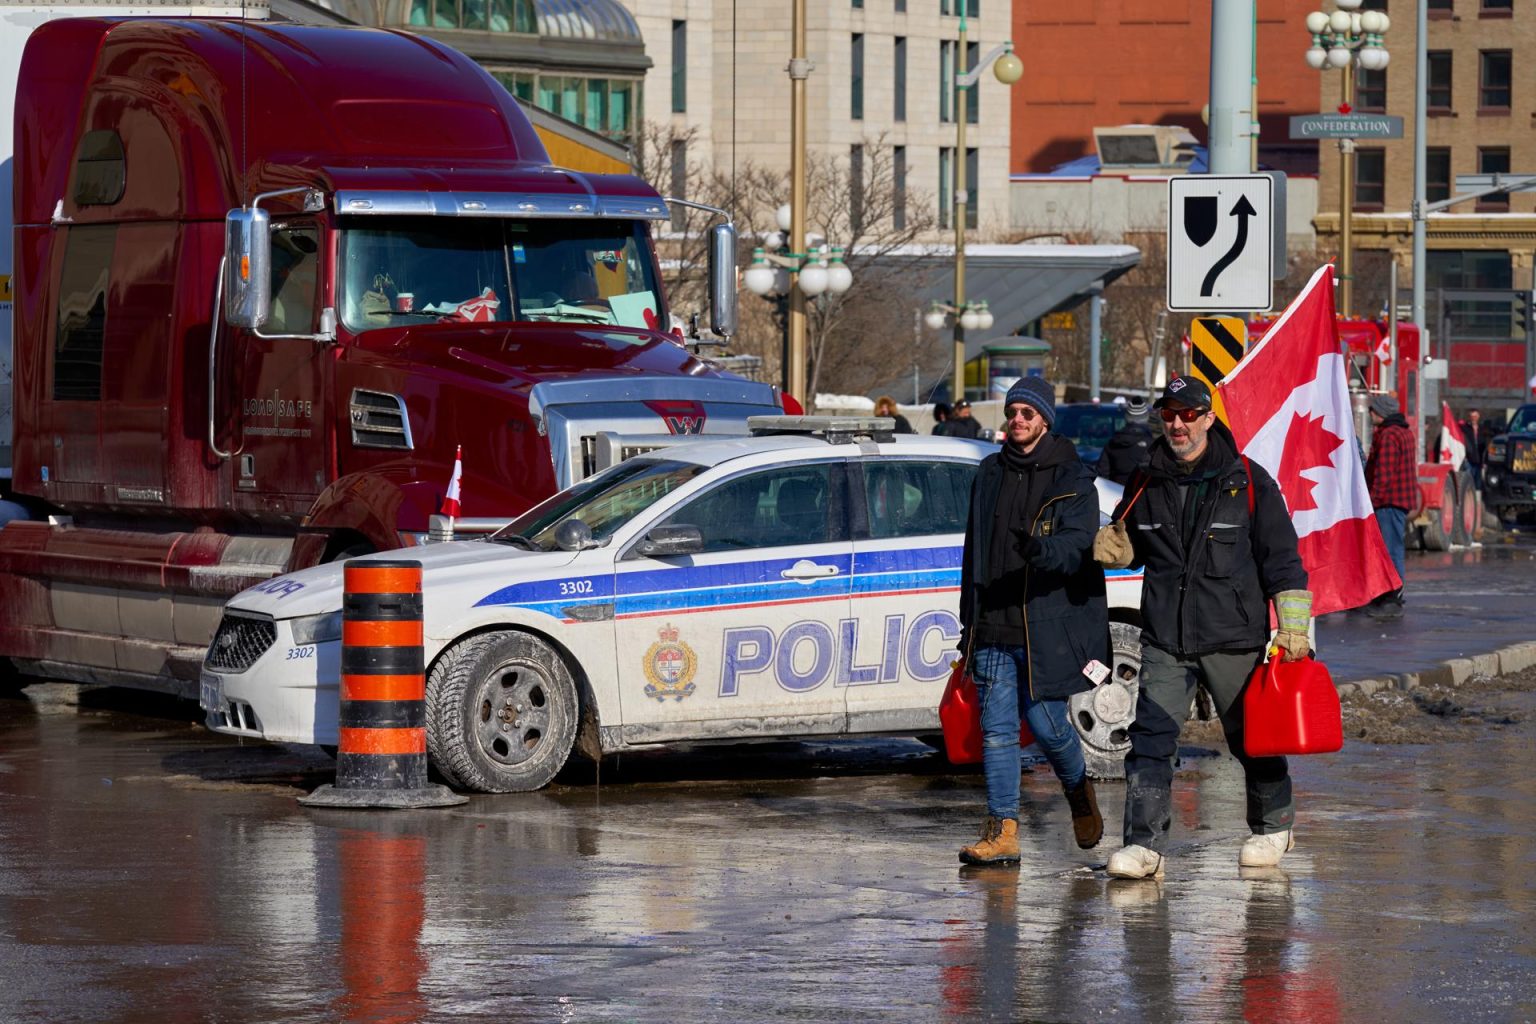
column 1392, row 472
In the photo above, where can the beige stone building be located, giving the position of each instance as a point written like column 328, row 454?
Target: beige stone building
column 1481, row 115
column 719, row 69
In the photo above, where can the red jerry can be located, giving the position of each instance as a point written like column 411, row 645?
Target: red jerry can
column 1291, row 707
column 960, row 715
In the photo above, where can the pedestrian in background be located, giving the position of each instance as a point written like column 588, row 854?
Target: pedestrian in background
column 1034, row 620
column 885, row 405
column 1477, row 437
column 1127, row 451
column 962, row 424
column 1392, row 475
column 941, row 412
column 1212, row 530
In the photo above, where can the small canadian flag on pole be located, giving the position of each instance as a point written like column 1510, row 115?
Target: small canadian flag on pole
column 1288, row 401
column 451, row 499
column 1453, row 445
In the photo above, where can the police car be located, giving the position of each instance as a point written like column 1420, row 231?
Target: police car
column 798, row 583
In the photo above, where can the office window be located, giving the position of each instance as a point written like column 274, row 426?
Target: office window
column 1438, row 91
column 858, row 5
column 1371, row 91
column 946, row 80
column 856, row 189
column 856, row 84
column 1374, row 5
column 901, row 6
column 1493, row 80
column 1441, row 8
column 946, row 185
column 972, row 179
column 1496, row 8
column 973, row 94
column 679, row 67
column 1437, row 174
column 679, row 155
column 899, row 72
column 899, row 188
column 947, row 6
column 1493, row 160
column 1370, row 178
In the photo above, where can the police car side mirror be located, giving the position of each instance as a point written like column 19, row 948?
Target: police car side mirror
column 574, row 535
column 665, row 541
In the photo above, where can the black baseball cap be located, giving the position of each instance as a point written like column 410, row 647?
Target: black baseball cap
column 962, row 404
column 1186, row 390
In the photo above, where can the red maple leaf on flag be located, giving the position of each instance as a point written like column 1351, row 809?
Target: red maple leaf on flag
column 1307, row 446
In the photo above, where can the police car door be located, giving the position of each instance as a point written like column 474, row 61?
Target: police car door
column 906, row 583
column 741, row 638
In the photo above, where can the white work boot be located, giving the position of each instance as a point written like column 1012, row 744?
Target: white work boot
column 1265, row 851
column 1135, row 862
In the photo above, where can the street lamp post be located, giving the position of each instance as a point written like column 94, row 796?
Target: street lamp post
column 1008, row 69
column 778, row 270
column 1342, row 40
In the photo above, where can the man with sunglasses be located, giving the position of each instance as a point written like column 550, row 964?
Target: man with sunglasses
column 1034, row 621
column 1212, row 531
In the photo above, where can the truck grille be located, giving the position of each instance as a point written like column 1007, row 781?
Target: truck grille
column 379, row 420
column 1522, row 458
column 241, row 639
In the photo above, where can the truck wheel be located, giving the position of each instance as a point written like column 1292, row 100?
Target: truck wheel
column 1103, row 714
column 1469, row 511
column 1440, row 522
column 501, row 713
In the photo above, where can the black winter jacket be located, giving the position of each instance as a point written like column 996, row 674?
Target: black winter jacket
column 1210, row 593
column 1126, row 452
column 1066, row 618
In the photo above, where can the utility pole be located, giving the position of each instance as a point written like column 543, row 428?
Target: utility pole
column 1232, row 57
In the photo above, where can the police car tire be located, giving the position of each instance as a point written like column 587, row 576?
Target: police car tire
column 468, row 689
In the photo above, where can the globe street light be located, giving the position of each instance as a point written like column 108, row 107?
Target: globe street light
column 1008, row 69
column 781, row 275
column 1341, row 40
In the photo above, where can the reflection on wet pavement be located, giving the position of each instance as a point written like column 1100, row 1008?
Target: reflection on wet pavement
column 150, row 871
column 1458, row 604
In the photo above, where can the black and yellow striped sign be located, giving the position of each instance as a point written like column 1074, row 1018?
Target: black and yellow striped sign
column 1216, row 344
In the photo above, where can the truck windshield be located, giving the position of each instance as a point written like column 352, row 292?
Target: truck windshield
column 1524, row 421
column 604, row 502
column 414, row 270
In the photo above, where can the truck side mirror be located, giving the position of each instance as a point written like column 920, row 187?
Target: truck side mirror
column 722, row 280
column 247, row 268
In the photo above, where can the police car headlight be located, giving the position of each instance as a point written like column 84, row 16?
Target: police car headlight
column 317, row 629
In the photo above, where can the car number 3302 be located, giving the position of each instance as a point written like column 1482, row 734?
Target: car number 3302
column 569, row 587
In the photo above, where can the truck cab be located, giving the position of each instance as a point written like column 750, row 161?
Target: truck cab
column 1509, row 468
column 268, row 280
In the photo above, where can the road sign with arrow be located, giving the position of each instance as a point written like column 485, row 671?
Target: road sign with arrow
column 1220, row 242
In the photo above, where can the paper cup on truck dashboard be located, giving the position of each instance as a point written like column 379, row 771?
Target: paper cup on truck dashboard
column 405, row 302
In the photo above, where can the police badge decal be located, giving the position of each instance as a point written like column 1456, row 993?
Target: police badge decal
column 669, row 666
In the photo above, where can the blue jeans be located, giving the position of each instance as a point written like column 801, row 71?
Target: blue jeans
column 1394, row 526
column 1003, row 701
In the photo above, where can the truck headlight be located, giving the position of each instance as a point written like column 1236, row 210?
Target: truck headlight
column 317, row 629
column 1495, row 451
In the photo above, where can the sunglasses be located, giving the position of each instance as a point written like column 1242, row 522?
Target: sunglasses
column 1187, row 415
column 1021, row 412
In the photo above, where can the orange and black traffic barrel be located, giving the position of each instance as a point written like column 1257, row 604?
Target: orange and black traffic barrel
column 381, row 753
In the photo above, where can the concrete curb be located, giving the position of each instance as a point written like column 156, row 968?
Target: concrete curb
column 1452, row 673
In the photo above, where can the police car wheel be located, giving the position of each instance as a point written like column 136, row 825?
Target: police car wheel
column 501, row 713
column 1103, row 714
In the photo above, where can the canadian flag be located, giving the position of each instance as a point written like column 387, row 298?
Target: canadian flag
column 1453, row 444
column 451, row 499
column 1288, row 403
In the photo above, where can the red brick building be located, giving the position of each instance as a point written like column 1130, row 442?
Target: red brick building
column 1093, row 63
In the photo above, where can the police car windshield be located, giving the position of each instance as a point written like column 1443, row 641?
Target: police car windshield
column 604, row 502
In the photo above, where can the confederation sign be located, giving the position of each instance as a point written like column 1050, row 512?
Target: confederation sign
column 1346, row 126
column 1220, row 242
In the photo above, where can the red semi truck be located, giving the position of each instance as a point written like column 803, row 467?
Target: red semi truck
column 1449, row 510
column 267, row 278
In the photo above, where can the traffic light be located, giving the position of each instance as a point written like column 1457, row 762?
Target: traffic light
column 1521, row 314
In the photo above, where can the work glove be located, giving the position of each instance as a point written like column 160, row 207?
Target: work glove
column 1293, row 612
column 1112, row 547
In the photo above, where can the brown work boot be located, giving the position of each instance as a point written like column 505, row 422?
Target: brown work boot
column 1087, row 822
column 999, row 843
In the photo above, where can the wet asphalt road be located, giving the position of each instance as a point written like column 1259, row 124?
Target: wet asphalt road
column 151, row 871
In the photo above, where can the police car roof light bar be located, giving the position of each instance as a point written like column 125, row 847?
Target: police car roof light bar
column 832, row 429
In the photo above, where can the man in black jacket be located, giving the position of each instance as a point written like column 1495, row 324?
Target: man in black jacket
column 1129, row 448
column 1035, row 625
column 1213, row 532
column 962, row 424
